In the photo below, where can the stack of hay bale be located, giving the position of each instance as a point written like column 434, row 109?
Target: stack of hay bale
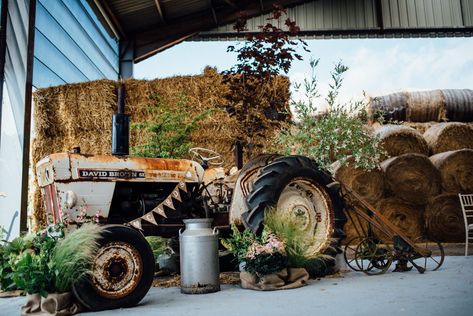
column 417, row 184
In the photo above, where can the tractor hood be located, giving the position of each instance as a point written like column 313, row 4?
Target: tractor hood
column 67, row 167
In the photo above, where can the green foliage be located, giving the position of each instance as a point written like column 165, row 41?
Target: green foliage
column 73, row 255
column 48, row 262
column 239, row 242
column 169, row 131
column 9, row 254
column 158, row 245
column 337, row 134
column 261, row 255
column 264, row 264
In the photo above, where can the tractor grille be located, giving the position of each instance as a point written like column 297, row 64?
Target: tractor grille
column 51, row 202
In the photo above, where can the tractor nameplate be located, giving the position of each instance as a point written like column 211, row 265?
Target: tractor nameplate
column 110, row 174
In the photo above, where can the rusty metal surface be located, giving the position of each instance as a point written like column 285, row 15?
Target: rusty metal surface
column 67, row 167
column 117, row 270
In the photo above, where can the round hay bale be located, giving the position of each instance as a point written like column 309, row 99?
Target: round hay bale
column 412, row 178
column 459, row 104
column 421, row 127
column 425, row 106
column 444, row 219
column 368, row 184
column 399, row 139
column 406, row 216
column 351, row 232
column 456, row 170
column 392, row 107
column 449, row 136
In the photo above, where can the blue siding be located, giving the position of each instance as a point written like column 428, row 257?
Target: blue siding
column 15, row 63
column 71, row 45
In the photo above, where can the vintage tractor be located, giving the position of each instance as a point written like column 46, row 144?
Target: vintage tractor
column 136, row 197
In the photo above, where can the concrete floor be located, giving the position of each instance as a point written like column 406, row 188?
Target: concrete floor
column 448, row 291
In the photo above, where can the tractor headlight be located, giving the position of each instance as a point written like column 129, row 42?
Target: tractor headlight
column 71, row 199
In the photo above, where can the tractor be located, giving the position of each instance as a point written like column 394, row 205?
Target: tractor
column 137, row 197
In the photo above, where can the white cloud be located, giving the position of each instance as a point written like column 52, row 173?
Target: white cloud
column 389, row 66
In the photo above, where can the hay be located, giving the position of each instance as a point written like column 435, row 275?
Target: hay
column 398, row 140
column 449, row 136
column 412, row 178
column 407, row 217
column 351, row 232
column 444, row 219
column 456, row 170
column 368, row 184
column 425, row 106
column 421, row 127
column 81, row 115
column 392, row 106
column 459, row 104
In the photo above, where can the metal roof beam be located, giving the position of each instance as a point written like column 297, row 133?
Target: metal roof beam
column 150, row 42
column 232, row 4
column 160, row 10
column 214, row 14
column 110, row 19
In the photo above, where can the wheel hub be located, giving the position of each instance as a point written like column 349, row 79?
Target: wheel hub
column 117, row 270
column 308, row 204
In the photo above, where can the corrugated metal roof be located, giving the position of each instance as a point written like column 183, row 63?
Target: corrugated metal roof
column 362, row 18
column 154, row 25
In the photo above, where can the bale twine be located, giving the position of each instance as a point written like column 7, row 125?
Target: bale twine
column 407, row 217
column 459, row 104
column 368, row 184
column 412, row 178
column 456, row 170
column 425, row 106
column 392, row 106
column 449, row 136
column 444, row 218
column 398, row 140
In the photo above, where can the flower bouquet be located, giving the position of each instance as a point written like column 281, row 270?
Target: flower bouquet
column 264, row 261
column 265, row 255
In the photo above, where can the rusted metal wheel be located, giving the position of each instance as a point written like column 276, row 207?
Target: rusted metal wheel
column 373, row 257
column 122, row 271
column 436, row 258
column 349, row 253
column 297, row 186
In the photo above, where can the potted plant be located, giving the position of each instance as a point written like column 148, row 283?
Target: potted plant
column 264, row 261
column 46, row 264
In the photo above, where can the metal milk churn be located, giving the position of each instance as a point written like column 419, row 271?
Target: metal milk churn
column 198, row 247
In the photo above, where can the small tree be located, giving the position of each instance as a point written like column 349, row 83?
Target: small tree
column 262, row 56
column 168, row 132
column 339, row 133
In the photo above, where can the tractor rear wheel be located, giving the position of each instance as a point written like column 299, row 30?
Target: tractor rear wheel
column 296, row 185
column 122, row 271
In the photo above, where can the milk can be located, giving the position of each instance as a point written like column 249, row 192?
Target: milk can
column 198, row 247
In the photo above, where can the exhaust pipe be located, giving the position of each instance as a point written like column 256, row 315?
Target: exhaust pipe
column 120, row 126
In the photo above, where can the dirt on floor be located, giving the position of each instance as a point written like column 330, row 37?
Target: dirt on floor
column 165, row 281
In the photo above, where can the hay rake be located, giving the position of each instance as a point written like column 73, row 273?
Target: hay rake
column 378, row 242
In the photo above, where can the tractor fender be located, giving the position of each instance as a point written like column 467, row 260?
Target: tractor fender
column 244, row 186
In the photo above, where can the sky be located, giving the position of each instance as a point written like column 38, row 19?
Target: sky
column 377, row 66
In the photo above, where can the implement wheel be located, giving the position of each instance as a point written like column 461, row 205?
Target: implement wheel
column 295, row 185
column 436, row 258
column 349, row 253
column 373, row 257
column 122, row 271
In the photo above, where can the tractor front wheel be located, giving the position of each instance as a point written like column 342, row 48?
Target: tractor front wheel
column 122, row 271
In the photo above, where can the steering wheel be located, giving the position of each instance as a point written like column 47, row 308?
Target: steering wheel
column 206, row 156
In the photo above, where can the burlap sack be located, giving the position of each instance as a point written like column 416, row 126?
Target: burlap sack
column 56, row 304
column 289, row 278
